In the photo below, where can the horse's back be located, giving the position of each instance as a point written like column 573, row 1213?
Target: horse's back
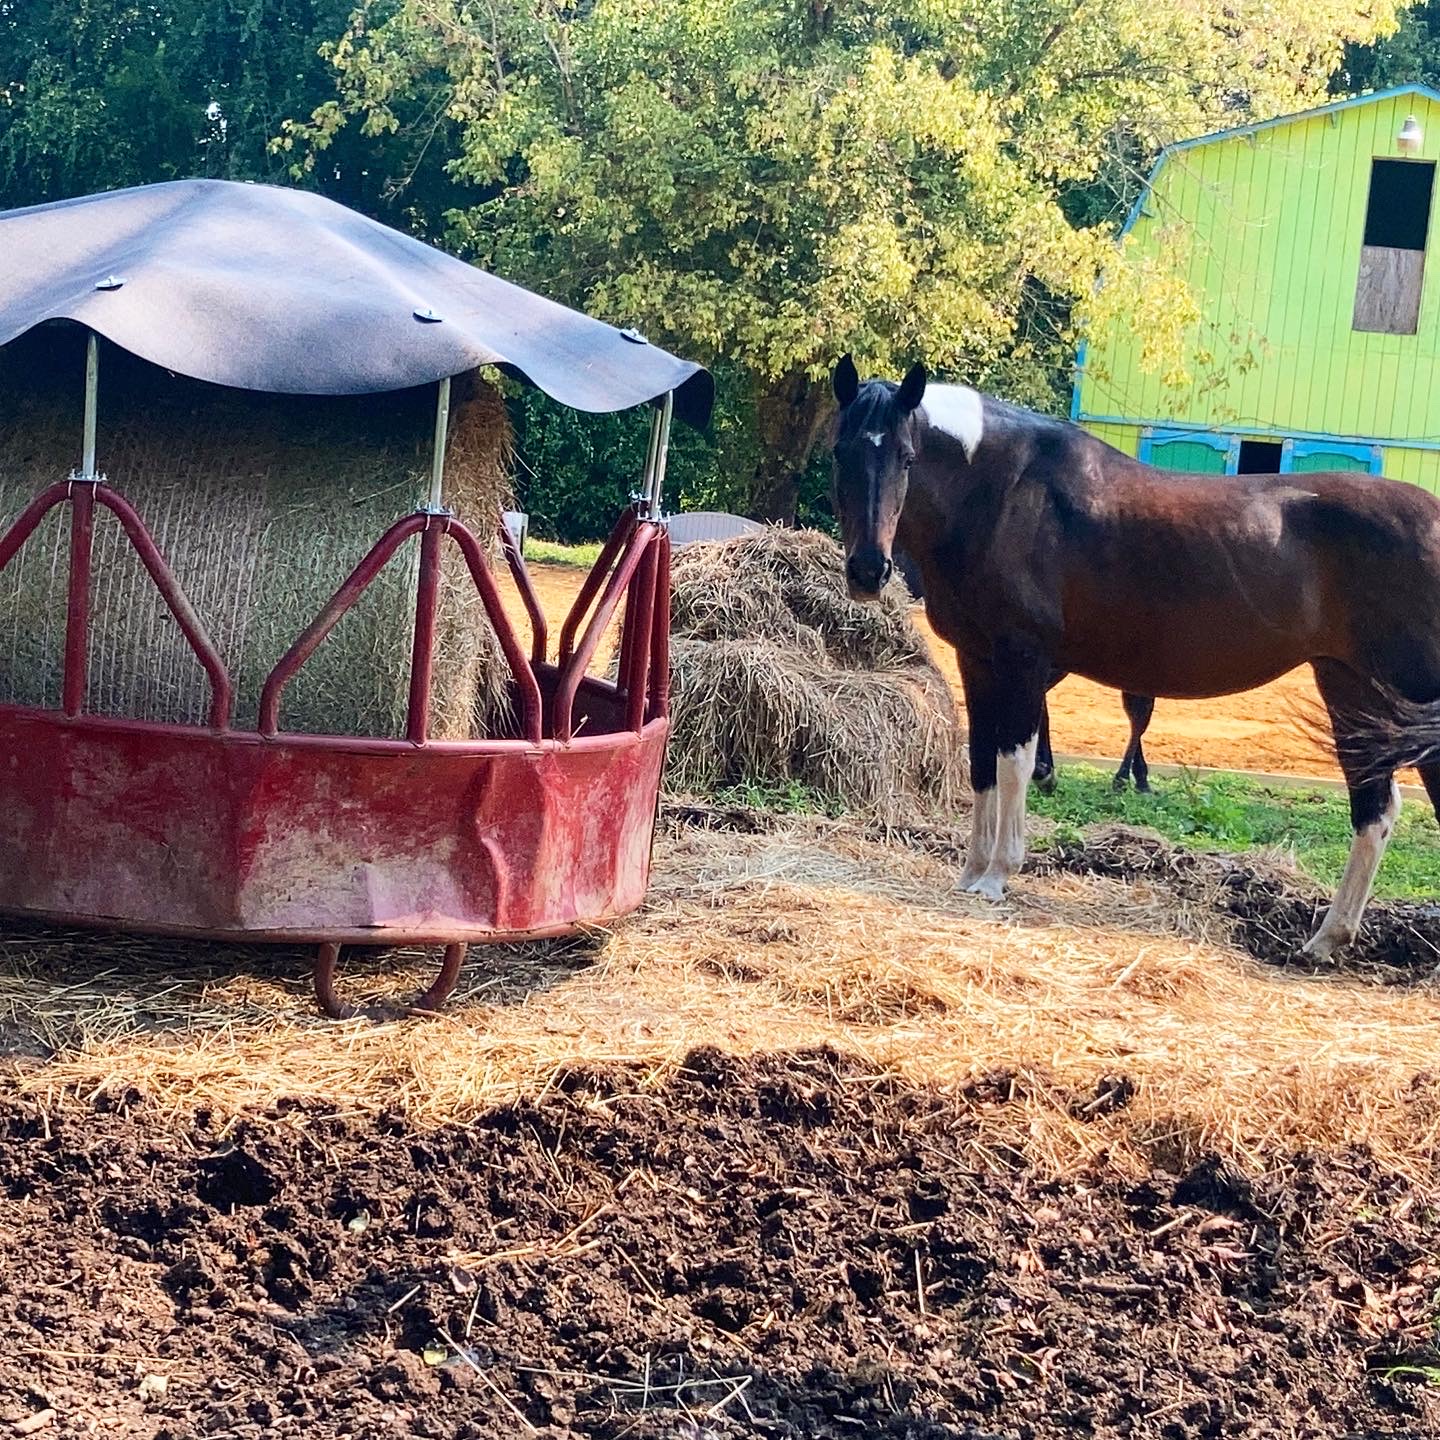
column 1286, row 568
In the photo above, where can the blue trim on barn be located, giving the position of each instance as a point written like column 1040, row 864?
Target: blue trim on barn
column 1372, row 455
column 1264, row 432
column 1424, row 92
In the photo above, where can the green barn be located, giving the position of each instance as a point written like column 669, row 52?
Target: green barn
column 1304, row 242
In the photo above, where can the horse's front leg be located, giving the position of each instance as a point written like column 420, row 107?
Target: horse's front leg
column 1014, row 704
column 980, row 701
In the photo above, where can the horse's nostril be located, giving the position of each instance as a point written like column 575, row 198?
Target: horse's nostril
column 886, row 571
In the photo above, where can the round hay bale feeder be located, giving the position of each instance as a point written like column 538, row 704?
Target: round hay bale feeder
column 168, row 769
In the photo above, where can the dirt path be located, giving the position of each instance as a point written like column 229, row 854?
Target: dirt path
column 1253, row 731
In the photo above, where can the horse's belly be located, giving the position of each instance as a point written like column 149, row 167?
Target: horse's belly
column 1177, row 681
column 1170, row 662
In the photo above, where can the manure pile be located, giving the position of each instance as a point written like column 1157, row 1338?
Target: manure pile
column 778, row 676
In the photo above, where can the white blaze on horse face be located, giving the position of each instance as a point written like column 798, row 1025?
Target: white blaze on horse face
column 1342, row 919
column 1013, row 771
column 875, row 437
column 959, row 412
column 982, row 837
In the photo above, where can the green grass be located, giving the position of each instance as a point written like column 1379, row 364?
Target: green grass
column 552, row 552
column 1225, row 812
column 1204, row 812
column 792, row 798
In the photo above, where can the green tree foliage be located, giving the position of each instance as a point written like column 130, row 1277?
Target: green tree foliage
column 98, row 94
column 773, row 182
column 1410, row 55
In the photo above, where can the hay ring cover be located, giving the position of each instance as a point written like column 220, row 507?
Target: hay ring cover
column 779, row 677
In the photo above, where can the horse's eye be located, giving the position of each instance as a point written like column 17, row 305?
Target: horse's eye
column 907, row 461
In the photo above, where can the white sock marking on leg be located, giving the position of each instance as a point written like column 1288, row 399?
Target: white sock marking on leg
column 982, row 837
column 1367, row 850
column 1013, row 771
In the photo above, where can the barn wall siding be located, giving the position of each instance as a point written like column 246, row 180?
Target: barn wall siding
column 1273, row 226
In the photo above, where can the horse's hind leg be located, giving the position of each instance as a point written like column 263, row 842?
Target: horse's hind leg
column 1138, row 709
column 1044, row 776
column 1430, row 778
column 1374, row 807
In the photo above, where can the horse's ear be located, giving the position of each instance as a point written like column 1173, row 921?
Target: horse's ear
column 912, row 388
column 846, row 381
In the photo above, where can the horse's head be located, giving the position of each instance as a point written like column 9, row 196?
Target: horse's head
column 875, row 439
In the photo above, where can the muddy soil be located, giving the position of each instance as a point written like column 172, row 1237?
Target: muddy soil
column 784, row 1247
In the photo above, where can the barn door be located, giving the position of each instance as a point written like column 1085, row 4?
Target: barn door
column 1199, row 451
column 1309, row 457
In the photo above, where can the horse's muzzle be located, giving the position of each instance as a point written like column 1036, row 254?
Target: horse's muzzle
column 867, row 572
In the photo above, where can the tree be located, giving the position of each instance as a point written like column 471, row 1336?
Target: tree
column 97, row 94
column 1411, row 54
column 774, row 182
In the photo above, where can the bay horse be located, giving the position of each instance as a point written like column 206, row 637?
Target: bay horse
column 1043, row 549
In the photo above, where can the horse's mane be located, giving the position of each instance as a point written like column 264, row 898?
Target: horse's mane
column 873, row 409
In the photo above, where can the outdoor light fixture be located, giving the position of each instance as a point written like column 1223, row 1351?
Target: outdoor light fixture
column 1411, row 136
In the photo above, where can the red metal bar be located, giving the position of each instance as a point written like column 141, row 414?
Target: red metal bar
column 523, row 672
column 77, row 605
column 221, row 690
column 539, row 633
column 422, row 647
column 660, row 636
column 30, row 517
column 619, row 537
column 573, row 669
column 351, row 589
column 428, row 1001
column 640, row 619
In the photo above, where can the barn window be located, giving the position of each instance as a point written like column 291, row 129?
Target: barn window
column 1392, row 257
column 1260, row 457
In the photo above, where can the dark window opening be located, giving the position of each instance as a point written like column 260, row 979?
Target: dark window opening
column 1392, row 259
column 1260, row 457
column 1398, row 215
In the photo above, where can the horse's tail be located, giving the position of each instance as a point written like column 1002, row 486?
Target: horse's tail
column 1385, row 733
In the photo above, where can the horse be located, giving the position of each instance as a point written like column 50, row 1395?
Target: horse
column 1044, row 549
column 1138, row 710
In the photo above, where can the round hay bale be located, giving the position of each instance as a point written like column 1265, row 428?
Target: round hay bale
column 261, row 505
column 778, row 676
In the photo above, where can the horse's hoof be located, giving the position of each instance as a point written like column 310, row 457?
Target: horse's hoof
column 988, row 887
column 1046, row 783
column 1142, row 787
column 1120, row 784
column 1320, row 949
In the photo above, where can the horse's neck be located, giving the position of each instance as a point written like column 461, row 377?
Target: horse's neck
column 944, row 484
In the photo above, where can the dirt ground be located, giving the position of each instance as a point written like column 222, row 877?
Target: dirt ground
column 790, row 1246
column 810, row 1147
column 1258, row 730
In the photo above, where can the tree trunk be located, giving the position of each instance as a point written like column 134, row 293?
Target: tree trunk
column 790, row 415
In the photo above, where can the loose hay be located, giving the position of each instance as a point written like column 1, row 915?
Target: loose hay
column 1093, row 1018
column 261, row 505
column 778, row 676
